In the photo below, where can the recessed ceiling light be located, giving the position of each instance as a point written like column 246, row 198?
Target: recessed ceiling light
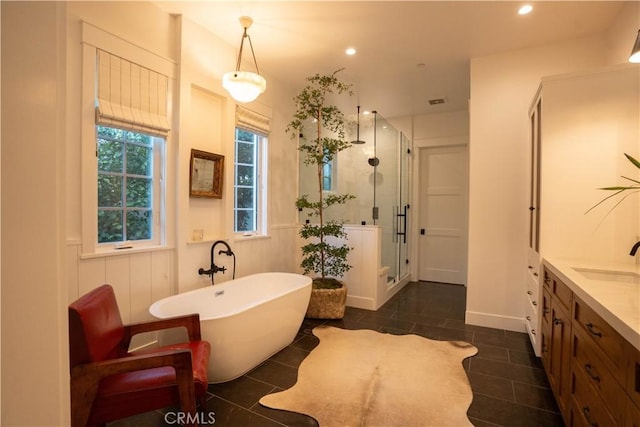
column 527, row 8
column 350, row 51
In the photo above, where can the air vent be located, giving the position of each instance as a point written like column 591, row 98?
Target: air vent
column 436, row 101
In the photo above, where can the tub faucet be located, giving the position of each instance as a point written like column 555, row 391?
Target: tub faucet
column 634, row 249
column 214, row 268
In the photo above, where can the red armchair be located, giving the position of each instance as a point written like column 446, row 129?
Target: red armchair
column 108, row 382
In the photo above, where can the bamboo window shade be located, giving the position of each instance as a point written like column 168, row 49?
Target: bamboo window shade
column 130, row 96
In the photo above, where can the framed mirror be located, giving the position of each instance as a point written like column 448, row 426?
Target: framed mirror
column 205, row 174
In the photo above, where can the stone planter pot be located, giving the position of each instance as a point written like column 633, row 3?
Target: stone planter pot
column 327, row 303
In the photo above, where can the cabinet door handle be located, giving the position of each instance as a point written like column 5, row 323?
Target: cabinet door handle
column 589, row 369
column 533, row 332
column 545, row 310
column 587, row 415
column 529, row 318
column 529, row 293
column 534, row 303
column 557, row 321
column 593, row 331
column 535, row 274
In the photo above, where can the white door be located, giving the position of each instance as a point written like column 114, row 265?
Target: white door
column 443, row 215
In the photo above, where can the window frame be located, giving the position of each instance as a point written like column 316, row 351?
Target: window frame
column 94, row 39
column 261, row 141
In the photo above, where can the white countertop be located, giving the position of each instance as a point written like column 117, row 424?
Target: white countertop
column 616, row 302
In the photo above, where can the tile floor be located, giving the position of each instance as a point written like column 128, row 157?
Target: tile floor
column 508, row 382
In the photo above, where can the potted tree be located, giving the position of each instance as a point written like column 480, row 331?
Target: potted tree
column 325, row 253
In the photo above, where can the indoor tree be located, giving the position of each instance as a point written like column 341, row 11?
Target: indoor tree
column 320, row 254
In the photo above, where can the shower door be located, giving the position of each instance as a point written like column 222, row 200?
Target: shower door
column 391, row 195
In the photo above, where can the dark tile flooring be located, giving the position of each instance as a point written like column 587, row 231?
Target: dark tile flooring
column 508, row 382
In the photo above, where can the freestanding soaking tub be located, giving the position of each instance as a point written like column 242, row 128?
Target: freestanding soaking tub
column 246, row 320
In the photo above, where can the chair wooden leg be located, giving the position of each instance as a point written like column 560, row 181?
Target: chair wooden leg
column 83, row 393
column 202, row 402
column 186, row 390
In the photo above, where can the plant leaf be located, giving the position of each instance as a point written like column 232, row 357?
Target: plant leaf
column 632, row 160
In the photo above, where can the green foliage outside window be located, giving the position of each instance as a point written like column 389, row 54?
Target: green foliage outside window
column 246, row 181
column 125, row 185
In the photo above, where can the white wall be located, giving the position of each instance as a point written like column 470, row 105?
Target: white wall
column 502, row 88
column 622, row 33
column 34, row 340
column 203, row 118
column 207, row 120
column 588, row 122
column 42, row 56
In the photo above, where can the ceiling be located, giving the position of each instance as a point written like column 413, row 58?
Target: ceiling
column 407, row 52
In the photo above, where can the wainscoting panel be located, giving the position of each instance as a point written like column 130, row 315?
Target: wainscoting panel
column 138, row 279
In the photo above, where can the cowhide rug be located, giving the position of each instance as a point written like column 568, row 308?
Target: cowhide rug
column 367, row 378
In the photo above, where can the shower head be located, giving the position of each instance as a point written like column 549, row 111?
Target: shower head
column 358, row 141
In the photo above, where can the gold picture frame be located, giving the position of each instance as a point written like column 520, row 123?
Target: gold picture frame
column 205, row 174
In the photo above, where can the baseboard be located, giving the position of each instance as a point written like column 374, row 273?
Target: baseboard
column 360, row 302
column 487, row 320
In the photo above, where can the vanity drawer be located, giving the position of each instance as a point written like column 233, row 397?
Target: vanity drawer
column 533, row 292
column 558, row 289
column 564, row 294
column 633, row 374
column 586, row 407
column 531, row 323
column 605, row 338
column 594, row 370
column 547, row 279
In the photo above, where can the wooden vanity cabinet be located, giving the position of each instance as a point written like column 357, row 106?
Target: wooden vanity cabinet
column 556, row 331
column 632, row 416
column 593, row 371
column 545, row 328
column 633, row 386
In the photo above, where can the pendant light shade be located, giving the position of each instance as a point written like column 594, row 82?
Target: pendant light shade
column 635, row 52
column 244, row 86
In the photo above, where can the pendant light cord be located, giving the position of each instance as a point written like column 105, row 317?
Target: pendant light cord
column 255, row 62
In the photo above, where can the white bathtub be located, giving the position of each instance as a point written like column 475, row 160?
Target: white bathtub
column 246, row 320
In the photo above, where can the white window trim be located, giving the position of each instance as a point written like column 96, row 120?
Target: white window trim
column 92, row 39
column 261, row 188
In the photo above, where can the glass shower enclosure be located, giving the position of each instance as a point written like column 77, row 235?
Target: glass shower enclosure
column 376, row 171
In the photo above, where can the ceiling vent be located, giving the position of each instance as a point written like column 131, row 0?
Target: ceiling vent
column 436, row 101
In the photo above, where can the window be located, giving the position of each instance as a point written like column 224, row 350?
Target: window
column 126, row 127
column 327, row 175
column 127, row 202
column 249, row 173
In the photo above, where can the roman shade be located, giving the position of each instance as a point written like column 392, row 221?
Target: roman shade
column 252, row 121
column 130, row 96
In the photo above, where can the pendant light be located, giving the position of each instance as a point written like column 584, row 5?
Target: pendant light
column 635, row 52
column 358, row 141
column 244, row 86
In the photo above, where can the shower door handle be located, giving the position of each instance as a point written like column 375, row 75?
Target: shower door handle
column 403, row 217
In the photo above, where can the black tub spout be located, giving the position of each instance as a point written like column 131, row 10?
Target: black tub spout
column 213, row 267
